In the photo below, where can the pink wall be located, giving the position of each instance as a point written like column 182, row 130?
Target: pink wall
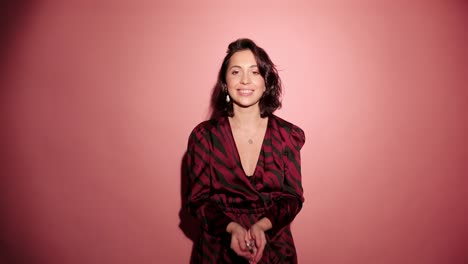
column 98, row 99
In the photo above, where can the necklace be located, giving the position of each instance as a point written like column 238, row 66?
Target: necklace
column 253, row 135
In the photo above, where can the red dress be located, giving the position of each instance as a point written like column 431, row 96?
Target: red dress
column 220, row 192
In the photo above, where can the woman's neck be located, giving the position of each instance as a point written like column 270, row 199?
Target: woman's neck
column 247, row 118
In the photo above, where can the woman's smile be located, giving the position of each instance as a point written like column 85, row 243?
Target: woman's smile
column 245, row 92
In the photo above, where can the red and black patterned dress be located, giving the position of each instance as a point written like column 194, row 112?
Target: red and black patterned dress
column 220, row 192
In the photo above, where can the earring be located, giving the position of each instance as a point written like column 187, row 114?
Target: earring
column 228, row 99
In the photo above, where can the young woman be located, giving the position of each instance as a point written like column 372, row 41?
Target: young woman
column 244, row 166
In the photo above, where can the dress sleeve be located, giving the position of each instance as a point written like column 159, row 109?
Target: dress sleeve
column 199, row 202
column 287, row 205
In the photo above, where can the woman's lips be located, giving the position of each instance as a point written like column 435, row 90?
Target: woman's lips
column 245, row 92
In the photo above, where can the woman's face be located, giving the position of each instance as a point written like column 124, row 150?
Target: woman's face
column 245, row 84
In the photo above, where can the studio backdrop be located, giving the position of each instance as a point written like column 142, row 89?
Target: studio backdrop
column 98, row 98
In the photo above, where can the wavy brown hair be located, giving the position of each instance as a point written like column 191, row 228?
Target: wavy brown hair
column 271, row 98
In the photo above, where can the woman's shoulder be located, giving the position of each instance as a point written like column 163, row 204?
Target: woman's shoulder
column 207, row 127
column 290, row 130
column 288, row 126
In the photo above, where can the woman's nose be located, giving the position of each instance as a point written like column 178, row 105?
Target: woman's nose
column 245, row 78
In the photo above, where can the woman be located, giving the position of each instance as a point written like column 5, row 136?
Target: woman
column 244, row 166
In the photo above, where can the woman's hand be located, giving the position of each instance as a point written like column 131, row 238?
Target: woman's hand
column 257, row 233
column 239, row 236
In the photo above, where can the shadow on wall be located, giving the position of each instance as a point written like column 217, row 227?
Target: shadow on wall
column 13, row 18
column 188, row 224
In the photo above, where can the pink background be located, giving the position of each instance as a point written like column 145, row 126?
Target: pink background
column 98, row 99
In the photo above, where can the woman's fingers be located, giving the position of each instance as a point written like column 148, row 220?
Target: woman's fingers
column 259, row 239
column 238, row 243
column 237, row 247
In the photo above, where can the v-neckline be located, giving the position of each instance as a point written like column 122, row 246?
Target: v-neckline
column 236, row 150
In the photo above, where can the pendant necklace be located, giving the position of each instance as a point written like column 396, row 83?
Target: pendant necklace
column 250, row 140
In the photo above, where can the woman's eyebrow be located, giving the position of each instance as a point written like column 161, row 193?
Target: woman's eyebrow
column 237, row 66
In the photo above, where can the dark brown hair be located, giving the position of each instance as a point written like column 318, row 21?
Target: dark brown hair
column 271, row 99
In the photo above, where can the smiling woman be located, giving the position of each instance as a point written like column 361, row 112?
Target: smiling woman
column 244, row 166
column 246, row 66
column 245, row 84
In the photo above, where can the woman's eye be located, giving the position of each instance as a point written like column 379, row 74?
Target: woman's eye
column 255, row 72
column 234, row 72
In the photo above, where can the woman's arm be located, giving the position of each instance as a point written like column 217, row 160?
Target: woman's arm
column 288, row 204
column 199, row 203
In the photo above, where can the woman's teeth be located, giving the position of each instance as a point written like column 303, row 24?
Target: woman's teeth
column 245, row 92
